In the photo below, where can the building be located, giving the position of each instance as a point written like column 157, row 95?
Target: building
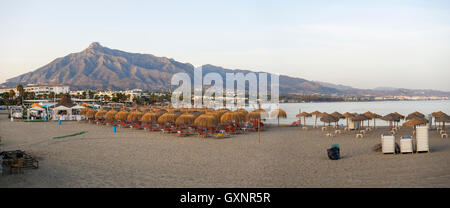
column 40, row 89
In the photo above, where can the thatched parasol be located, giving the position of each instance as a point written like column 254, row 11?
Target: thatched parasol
column 415, row 115
column 167, row 118
column 328, row 119
column 149, row 117
column 84, row 111
column 65, row 101
column 375, row 117
column 91, row 113
column 304, row 115
column 134, row 116
column 160, row 112
column 121, row 116
column 316, row 115
column 435, row 115
column 443, row 118
column 230, row 117
column 348, row 115
column 360, row 118
column 338, row 116
column 100, row 115
column 206, row 121
column 110, row 115
column 185, row 118
column 279, row 114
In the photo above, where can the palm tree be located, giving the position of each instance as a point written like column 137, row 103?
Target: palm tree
column 12, row 94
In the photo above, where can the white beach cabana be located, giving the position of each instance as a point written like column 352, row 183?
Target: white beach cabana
column 36, row 112
column 76, row 113
column 62, row 113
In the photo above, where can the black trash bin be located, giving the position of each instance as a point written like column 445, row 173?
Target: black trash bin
column 334, row 152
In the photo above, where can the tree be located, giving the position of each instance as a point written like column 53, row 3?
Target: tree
column 12, row 94
column 51, row 95
column 20, row 90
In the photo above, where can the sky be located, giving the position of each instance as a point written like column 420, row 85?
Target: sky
column 363, row 44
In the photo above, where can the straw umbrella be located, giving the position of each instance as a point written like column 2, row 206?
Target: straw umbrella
column 375, row 117
column 443, row 118
column 257, row 115
column 230, row 117
column 185, row 119
column 316, row 115
column 348, row 115
column 435, row 115
column 206, row 121
column 100, row 115
column 279, row 114
column 304, row 115
column 167, row 118
column 338, row 116
column 134, row 116
column 368, row 114
column 149, row 117
column 322, row 115
column 121, row 116
column 391, row 117
column 110, row 115
column 360, row 118
column 328, row 119
column 91, row 113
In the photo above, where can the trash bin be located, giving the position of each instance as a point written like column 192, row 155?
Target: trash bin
column 334, row 152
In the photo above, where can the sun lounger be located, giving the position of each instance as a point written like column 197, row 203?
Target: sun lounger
column 406, row 145
column 359, row 135
column 337, row 131
column 422, row 144
column 444, row 135
column 203, row 134
column 388, row 143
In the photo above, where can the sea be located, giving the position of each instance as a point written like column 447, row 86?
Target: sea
column 380, row 107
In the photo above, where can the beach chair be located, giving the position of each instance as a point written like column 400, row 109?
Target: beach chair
column 324, row 128
column 203, row 134
column 406, row 144
column 388, row 143
column 337, row 131
column 444, row 135
column 17, row 166
column 422, row 143
column 359, row 135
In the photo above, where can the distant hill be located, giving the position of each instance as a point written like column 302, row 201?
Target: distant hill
column 99, row 67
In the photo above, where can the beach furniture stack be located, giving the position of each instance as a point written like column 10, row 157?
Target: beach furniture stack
column 406, row 144
column 388, row 143
column 422, row 139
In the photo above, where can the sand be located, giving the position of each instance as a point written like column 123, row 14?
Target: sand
column 286, row 157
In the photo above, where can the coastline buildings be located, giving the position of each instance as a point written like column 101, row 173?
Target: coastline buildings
column 39, row 89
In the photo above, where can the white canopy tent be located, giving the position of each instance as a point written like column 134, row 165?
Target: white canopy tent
column 62, row 113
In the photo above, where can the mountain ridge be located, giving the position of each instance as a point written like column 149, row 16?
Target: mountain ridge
column 101, row 68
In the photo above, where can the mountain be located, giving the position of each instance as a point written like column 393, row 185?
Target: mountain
column 102, row 68
column 99, row 67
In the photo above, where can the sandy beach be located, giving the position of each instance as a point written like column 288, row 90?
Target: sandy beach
column 286, row 157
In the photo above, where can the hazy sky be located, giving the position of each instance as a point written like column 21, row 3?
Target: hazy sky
column 363, row 44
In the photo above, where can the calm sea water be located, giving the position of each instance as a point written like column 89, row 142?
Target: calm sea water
column 380, row 107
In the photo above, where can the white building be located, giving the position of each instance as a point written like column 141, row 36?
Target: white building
column 39, row 89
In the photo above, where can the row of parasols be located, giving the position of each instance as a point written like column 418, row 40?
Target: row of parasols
column 413, row 119
column 203, row 117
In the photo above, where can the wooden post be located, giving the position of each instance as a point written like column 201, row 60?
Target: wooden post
column 259, row 131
